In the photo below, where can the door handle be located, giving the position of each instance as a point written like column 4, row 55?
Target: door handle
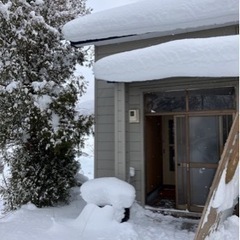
column 186, row 165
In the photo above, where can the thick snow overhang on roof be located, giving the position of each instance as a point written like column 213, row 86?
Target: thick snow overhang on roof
column 159, row 17
column 201, row 57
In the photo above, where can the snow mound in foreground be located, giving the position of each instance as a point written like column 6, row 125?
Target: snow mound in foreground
column 108, row 191
column 94, row 220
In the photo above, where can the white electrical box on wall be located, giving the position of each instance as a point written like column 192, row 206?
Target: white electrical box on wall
column 134, row 116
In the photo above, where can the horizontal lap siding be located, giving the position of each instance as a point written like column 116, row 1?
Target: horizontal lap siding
column 104, row 129
column 135, row 146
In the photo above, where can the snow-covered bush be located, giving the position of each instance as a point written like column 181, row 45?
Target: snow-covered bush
column 38, row 93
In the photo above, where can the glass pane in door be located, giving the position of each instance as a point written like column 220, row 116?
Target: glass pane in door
column 181, row 159
column 181, row 186
column 199, row 142
column 204, row 150
column 201, row 180
column 181, row 139
column 204, row 139
column 226, row 122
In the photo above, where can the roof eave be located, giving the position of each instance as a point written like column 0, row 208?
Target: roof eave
column 102, row 41
column 129, row 38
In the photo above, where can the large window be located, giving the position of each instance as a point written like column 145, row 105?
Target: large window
column 211, row 99
column 165, row 102
column 190, row 100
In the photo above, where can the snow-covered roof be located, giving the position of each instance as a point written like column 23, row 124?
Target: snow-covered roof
column 154, row 17
column 202, row 57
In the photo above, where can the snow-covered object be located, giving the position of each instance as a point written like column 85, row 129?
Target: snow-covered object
column 229, row 230
column 29, row 206
column 98, row 217
column 226, row 194
column 42, row 102
column 13, row 85
column 151, row 16
column 99, row 223
column 201, row 57
column 108, row 191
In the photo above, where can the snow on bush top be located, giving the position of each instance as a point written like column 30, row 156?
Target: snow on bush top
column 108, row 191
column 149, row 16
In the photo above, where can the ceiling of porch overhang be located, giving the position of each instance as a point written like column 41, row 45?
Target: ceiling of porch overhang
column 159, row 17
column 202, row 57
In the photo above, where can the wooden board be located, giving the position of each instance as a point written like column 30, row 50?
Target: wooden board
column 211, row 217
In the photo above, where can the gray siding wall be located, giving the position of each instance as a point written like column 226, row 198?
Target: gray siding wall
column 120, row 131
column 135, row 142
column 105, row 164
column 104, row 129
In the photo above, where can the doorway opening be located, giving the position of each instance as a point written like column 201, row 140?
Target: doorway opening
column 160, row 183
column 184, row 137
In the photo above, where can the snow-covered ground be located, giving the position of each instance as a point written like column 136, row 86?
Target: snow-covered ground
column 62, row 223
column 67, row 222
column 76, row 221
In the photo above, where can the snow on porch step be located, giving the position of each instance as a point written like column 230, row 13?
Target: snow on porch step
column 175, row 212
column 181, row 221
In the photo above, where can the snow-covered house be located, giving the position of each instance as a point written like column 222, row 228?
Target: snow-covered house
column 166, row 92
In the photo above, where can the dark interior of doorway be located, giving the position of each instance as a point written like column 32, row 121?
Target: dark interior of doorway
column 163, row 197
column 160, row 166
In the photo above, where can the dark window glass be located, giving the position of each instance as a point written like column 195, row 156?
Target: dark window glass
column 171, row 145
column 165, row 102
column 171, row 131
column 226, row 126
column 171, row 159
column 212, row 99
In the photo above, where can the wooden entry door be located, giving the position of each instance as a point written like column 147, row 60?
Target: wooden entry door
column 199, row 141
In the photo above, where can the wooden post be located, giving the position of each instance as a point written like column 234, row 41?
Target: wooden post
column 211, row 216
